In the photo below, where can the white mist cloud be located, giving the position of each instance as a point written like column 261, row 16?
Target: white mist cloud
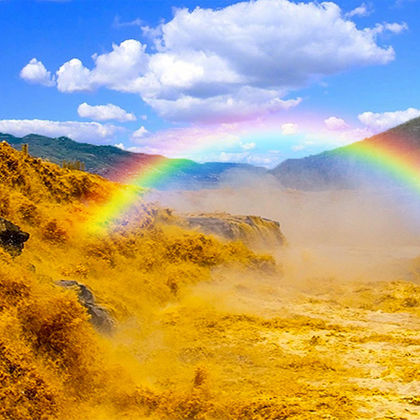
column 382, row 121
column 91, row 132
column 35, row 72
column 234, row 61
column 104, row 112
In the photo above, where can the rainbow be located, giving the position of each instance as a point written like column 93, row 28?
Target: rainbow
column 399, row 164
column 131, row 189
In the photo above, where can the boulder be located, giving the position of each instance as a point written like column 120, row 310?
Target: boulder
column 12, row 238
column 99, row 317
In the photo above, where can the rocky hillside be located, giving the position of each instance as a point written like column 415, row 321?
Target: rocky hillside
column 114, row 163
column 340, row 168
column 59, row 285
column 152, row 320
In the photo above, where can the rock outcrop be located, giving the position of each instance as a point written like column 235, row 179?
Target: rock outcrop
column 252, row 230
column 99, row 317
column 12, row 238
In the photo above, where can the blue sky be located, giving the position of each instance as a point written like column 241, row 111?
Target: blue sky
column 255, row 81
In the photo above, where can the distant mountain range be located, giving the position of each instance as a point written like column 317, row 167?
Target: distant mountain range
column 114, row 163
column 335, row 169
column 342, row 168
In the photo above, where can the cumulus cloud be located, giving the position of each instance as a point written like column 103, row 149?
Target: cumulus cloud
column 35, row 72
column 334, row 123
column 118, row 70
column 91, row 132
column 104, row 112
column 73, row 76
column 383, row 121
column 235, row 61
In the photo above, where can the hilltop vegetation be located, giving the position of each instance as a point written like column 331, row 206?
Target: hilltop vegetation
column 97, row 159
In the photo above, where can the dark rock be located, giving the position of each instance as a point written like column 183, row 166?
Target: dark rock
column 99, row 317
column 12, row 239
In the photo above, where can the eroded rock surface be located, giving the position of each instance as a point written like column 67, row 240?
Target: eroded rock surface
column 12, row 238
column 99, row 317
column 253, row 230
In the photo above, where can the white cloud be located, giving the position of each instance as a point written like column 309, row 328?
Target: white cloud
column 117, row 70
column 395, row 28
column 289, row 129
column 120, row 146
column 235, row 61
column 35, row 72
column 385, row 120
column 104, row 112
column 139, row 134
column 362, row 10
column 73, row 76
column 334, row 123
column 380, row 28
column 91, row 132
column 247, row 102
